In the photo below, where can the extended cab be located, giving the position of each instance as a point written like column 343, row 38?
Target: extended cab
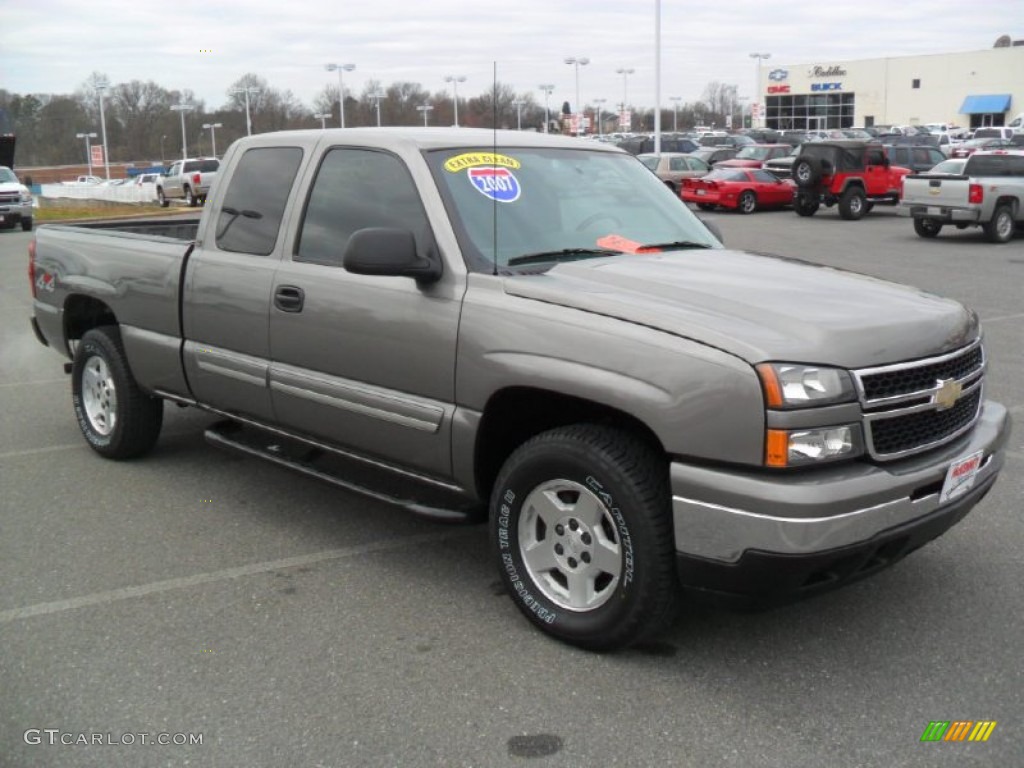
column 188, row 180
column 462, row 319
column 851, row 173
column 988, row 194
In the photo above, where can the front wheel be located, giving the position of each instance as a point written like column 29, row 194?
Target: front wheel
column 582, row 530
column 852, row 204
column 161, row 198
column 747, row 202
column 26, row 225
column 927, row 227
column 117, row 418
column 1000, row 228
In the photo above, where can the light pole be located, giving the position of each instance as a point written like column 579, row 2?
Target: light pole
column 213, row 134
column 322, row 117
column 757, row 83
column 162, row 139
column 518, row 104
column 625, row 92
column 101, row 86
column 248, row 121
column 547, row 88
column 675, row 114
column 599, row 102
column 577, row 62
column 455, row 80
column 425, row 109
column 376, row 95
column 341, row 68
column 88, row 150
column 182, row 109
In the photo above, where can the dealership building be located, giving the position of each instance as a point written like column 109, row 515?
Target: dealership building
column 969, row 89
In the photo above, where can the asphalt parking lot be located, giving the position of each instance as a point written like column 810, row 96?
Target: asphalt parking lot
column 288, row 623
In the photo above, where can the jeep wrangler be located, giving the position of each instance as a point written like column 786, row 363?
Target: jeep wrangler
column 854, row 174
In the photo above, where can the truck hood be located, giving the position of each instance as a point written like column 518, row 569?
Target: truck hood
column 758, row 307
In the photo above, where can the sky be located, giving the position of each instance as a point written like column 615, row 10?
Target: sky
column 52, row 46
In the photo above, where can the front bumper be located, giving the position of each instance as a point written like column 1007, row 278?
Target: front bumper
column 757, row 533
column 15, row 212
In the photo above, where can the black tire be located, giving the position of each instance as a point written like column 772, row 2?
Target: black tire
column 806, row 203
column 26, row 225
column 806, row 171
column 610, row 537
column 927, row 227
column 190, row 199
column 706, row 206
column 747, row 202
column 852, row 204
column 117, row 418
column 1000, row 228
column 161, row 198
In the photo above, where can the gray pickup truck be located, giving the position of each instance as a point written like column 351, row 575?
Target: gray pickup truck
column 189, row 180
column 535, row 326
column 988, row 194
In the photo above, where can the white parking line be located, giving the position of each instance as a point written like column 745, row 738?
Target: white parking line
column 34, row 383
column 47, row 449
column 999, row 319
column 126, row 593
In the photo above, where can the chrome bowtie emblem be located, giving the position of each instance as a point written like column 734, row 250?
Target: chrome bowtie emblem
column 948, row 393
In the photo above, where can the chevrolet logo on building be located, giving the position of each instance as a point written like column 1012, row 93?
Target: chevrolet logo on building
column 948, row 393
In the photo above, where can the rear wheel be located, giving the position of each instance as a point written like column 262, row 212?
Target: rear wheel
column 190, row 199
column 747, row 202
column 852, row 204
column 582, row 529
column 161, row 198
column 1000, row 228
column 806, row 204
column 117, row 418
column 927, row 227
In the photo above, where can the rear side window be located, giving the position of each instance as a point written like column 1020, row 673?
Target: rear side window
column 203, row 166
column 254, row 201
column 994, row 165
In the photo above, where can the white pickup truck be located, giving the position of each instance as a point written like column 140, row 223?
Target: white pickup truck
column 188, row 180
column 988, row 194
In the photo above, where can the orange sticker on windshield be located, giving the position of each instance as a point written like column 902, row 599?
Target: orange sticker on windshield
column 620, row 243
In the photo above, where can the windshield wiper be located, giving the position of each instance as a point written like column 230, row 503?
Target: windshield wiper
column 673, row 245
column 576, row 253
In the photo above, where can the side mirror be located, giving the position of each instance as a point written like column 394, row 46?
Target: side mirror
column 388, row 252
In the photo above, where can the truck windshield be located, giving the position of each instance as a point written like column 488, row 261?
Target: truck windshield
column 566, row 203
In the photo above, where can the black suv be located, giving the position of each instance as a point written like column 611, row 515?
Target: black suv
column 853, row 174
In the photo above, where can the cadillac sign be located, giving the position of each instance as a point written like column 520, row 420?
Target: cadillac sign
column 833, row 71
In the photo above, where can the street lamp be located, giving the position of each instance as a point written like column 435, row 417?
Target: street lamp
column 162, row 140
column 341, row 68
column 625, row 75
column 376, row 95
column 322, row 117
column 757, row 83
column 247, row 90
column 88, row 151
column 577, row 62
column 518, row 104
column 425, row 109
column 101, row 86
column 213, row 134
column 675, row 114
column 547, row 88
column 599, row 102
column 455, row 80
column 182, row 109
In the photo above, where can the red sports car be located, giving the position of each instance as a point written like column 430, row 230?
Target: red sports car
column 739, row 188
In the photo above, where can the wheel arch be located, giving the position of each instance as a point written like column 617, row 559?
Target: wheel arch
column 82, row 314
column 515, row 414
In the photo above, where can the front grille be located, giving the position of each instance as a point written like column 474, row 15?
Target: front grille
column 10, row 197
column 904, row 381
column 914, row 431
column 905, row 403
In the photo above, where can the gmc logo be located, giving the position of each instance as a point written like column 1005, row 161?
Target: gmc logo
column 826, row 86
column 779, row 89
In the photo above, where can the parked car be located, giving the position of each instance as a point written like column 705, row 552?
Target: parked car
column 15, row 201
column 994, row 132
column 853, row 174
column 989, row 193
column 755, row 155
column 146, row 178
column 673, row 167
column 917, row 159
column 952, row 167
column 968, row 148
column 728, row 140
column 641, row 145
column 83, row 180
column 742, row 189
column 762, row 135
column 712, row 155
column 783, row 166
column 187, row 180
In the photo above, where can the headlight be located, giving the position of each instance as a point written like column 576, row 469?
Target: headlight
column 789, row 385
column 800, row 447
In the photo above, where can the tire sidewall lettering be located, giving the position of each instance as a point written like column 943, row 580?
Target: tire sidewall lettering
column 87, row 350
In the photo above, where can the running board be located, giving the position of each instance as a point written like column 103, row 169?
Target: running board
column 423, row 500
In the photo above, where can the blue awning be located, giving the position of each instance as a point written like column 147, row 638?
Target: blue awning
column 985, row 105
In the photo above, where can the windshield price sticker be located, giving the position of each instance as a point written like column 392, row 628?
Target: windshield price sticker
column 499, row 184
column 476, row 159
column 960, row 477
